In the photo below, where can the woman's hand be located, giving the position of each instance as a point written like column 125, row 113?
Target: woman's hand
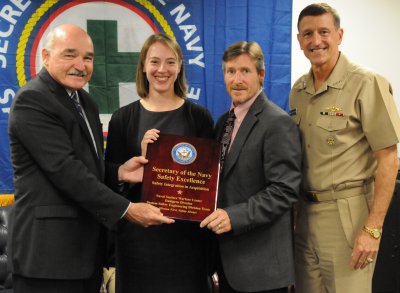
column 149, row 137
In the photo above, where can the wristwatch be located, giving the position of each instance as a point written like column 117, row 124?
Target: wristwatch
column 374, row 232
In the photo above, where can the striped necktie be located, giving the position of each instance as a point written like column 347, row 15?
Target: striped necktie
column 227, row 135
column 78, row 105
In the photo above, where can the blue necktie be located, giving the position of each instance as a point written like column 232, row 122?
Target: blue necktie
column 227, row 135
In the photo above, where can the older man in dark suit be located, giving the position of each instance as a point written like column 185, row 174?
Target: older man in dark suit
column 61, row 206
column 259, row 182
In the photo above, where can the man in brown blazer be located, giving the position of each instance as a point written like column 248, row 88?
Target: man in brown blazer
column 259, row 182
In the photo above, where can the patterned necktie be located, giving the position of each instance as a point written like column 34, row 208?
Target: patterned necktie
column 227, row 135
column 78, row 106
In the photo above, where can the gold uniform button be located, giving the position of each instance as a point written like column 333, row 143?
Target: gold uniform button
column 330, row 140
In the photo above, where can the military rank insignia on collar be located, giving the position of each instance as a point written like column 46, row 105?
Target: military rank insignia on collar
column 293, row 112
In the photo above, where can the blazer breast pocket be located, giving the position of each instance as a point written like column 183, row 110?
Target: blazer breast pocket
column 251, row 164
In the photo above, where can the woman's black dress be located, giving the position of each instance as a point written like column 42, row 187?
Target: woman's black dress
column 166, row 258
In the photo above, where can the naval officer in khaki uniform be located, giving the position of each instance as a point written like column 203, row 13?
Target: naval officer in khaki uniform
column 350, row 130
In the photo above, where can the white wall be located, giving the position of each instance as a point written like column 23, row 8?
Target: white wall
column 371, row 37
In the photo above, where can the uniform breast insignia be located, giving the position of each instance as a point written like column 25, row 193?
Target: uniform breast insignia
column 330, row 140
column 332, row 111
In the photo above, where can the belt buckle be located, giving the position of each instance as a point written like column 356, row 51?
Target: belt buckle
column 312, row 196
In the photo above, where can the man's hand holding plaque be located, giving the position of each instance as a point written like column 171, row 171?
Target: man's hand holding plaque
column 181, row 177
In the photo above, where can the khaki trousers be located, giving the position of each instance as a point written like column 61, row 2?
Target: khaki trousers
column 324, row 238
column 108, row 285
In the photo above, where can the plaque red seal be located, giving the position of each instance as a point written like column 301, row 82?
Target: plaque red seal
column 182, row 176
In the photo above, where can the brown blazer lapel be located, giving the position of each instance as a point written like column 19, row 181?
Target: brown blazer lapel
column 243, row 132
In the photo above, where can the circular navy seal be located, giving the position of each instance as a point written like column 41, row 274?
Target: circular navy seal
column 184, row 153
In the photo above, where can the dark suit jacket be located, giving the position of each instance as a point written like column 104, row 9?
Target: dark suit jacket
column 60, row 202
column 258, row 186
column 387, row 269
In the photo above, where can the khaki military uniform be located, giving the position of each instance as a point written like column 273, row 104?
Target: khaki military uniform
column 351, row 116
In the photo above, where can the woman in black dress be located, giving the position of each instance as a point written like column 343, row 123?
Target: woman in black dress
column 166, row 258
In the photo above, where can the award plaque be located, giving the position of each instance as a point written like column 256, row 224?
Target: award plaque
column 181, row 177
